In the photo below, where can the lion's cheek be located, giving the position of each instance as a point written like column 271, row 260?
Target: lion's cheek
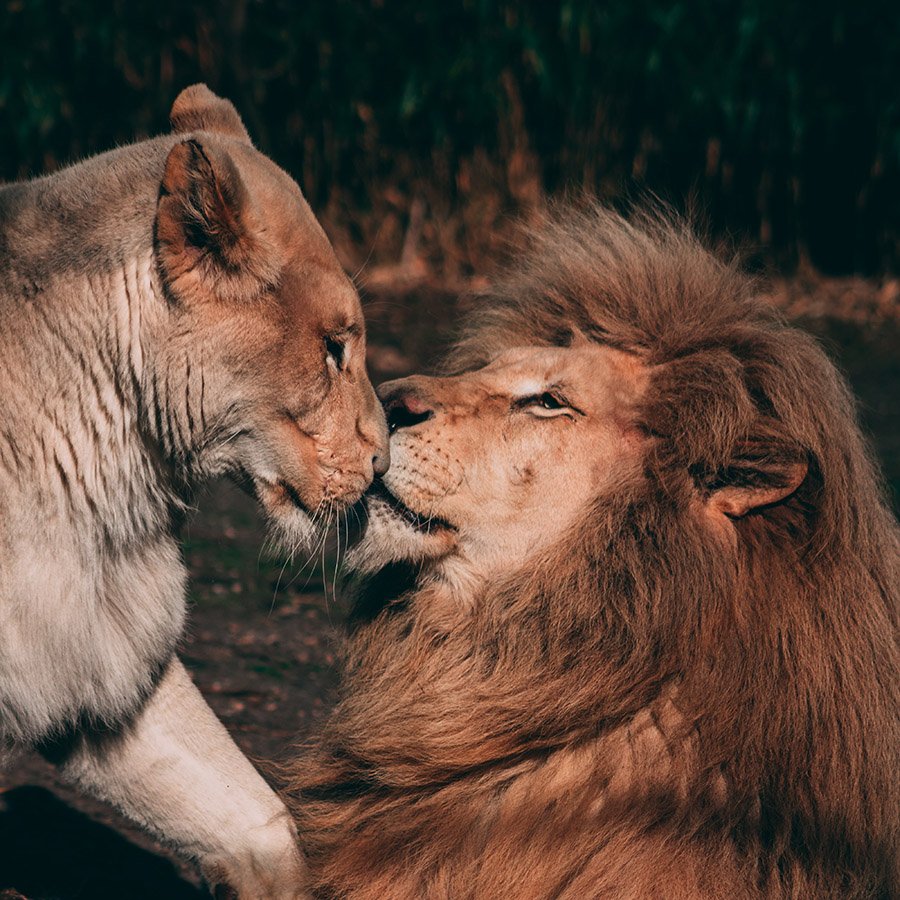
column 424, row 472
column 298, row 459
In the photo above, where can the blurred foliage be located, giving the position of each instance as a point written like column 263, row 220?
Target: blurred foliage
column 777, row 119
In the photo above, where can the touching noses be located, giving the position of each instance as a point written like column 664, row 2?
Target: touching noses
column 375, row 433
column 381, row 461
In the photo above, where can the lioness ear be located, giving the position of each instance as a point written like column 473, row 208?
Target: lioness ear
column 763, row 473
column 210, row 244
column 197, row 108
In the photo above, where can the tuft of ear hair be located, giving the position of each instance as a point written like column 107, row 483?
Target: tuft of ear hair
column 210, row 244
column 764, row 471
column 736, row 502
column 197, row 108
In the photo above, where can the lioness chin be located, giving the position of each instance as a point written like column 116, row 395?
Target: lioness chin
column 170, row 311
column 628, row 619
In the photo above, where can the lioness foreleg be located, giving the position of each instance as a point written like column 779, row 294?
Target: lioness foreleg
column 176, row 771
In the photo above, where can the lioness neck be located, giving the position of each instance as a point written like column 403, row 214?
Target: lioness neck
column 85, row 504
column 83, row 312
column 74, row 361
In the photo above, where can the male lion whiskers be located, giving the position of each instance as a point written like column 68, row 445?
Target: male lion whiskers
column 630, row 624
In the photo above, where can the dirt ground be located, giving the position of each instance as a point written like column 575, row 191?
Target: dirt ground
column 262, row 640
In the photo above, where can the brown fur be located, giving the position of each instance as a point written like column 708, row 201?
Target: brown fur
column 663, row 706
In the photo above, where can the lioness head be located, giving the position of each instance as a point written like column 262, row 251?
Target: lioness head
column 491, row 465
column 266, row 329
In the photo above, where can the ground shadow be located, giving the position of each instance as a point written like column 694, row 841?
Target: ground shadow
column 49, row 851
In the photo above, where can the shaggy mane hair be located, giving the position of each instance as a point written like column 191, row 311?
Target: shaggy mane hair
column 649, row 710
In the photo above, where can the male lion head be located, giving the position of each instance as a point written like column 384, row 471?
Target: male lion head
column 265, row 341
column 494, row 465
column 630, row 624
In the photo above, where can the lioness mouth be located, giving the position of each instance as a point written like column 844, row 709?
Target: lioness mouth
column 417, row 520
column 271, row 494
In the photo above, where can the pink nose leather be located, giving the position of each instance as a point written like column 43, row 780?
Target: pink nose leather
column 414, row 404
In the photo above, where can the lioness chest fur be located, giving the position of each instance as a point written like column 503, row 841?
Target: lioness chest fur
column 169, row 311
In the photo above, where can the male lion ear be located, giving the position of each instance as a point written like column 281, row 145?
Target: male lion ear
column 197, row 108
column 210, row 242
column 735, row 502
column 762, row 474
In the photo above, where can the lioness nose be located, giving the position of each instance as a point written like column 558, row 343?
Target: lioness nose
column 381, row 458
column 381, row 461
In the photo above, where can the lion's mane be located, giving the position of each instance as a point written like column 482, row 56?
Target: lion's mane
column 781, row 646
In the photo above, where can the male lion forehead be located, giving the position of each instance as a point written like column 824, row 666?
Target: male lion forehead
column 524, row 370
column 527, row 360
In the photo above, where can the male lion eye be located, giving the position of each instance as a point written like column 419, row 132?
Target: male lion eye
column 546, row 400
column 334, row 350
column 549, row 401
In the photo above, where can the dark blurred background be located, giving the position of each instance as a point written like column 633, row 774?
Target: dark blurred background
column 778, row 119
column 420, row 131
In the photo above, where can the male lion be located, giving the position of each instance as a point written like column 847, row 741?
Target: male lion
column 635, row 629
column 170, row 311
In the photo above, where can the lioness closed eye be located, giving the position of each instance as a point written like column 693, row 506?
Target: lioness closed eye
column 629, row 623
column 170, row 311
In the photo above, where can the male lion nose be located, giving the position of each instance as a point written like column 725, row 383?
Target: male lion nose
column 403, row 405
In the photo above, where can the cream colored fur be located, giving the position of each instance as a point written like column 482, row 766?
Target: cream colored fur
column 119, row 390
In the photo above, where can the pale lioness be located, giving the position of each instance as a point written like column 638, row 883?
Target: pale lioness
column 631, row 629
column 170, row 311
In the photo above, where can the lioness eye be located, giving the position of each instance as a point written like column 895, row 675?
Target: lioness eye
column 334, row 350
